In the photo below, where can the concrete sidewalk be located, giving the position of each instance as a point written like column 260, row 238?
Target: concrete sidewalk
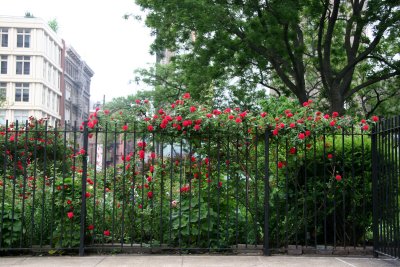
column 195, row 261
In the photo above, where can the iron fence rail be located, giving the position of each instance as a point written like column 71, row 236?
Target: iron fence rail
column 386, row 176
column 213, row 192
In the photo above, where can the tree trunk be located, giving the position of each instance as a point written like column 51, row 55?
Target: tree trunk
column 337, row 102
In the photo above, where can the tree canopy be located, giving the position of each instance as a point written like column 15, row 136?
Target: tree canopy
column 330, row 50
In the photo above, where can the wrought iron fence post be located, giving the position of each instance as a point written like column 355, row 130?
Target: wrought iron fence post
column 374, row 155
column 83, row 196
column 266, row 195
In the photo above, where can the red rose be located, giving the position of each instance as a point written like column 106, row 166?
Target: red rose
column 375, row 118
column 263, row 114
column 280, row 165
column 186, row 96
column 70, row 215
column 141, row 154
column 302, row 136
column 365, row 127
column 150, row 194
column 338, row 178
column 192, row 109
column 150, row 128
column 335, row 114
column 106, row 232
column 90, row 227
column 125, row 127
column 87, row 194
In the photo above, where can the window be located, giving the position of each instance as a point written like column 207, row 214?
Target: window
column 3, row 91
column 48, row 98
column 23, row 65
column 2, row 117
column 21, row 116
column 44, row 95
column 4, row 37
column 23, row 38
column 3, row 64
column 22, row 92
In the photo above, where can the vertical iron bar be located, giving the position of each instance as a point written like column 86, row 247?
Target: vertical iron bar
column 314, row 190
column 34, row 184
column 162, row 189
column 44, row 184
column 124, row 173
column 335, row 184
column 4, row 183
column 266, row 194
column 114, row 156
column 324, row 203
column 83, row 195
column 104, row 184
column 247, row 184
column 344, row 191
column 181, row 166
column 227, row 189
column 16, row 133
column 363, row 183
column 24, row 161
column 54, row 184
column 375, row 199
column 256, row 187
column 305, row 215
column 353, row 179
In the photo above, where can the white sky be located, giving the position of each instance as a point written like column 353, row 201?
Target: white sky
column 112, row 46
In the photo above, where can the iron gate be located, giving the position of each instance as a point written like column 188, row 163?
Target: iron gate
column 386, row 196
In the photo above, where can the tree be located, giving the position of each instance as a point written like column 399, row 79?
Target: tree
column 53, row 24
column 297, row 46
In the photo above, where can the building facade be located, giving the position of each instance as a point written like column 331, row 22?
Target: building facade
column 77, row 79
column 39, row 75
column 30, row 76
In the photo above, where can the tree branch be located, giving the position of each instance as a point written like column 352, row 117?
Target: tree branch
column 370, row 82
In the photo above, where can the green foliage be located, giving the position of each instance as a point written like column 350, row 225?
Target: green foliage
column 53, row 24
column 307, row 49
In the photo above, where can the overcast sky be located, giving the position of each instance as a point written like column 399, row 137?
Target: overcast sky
column 112, row 46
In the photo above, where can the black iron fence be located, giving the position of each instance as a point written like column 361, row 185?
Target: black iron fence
column 386, row 177
column 213, row 192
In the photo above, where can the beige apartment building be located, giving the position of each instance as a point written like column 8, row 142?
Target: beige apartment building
column 39, row 75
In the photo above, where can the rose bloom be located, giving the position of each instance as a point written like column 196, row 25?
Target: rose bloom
column 106, row 232
column 365, row 127
column 338, row 178
column 70, row 215
column 280, row 165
